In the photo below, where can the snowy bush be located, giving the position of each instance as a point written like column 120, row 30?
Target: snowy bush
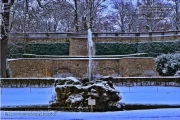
column 168, row 64
column 177, row 74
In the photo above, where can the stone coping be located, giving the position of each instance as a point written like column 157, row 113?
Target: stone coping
column 78, row 58
column 158, row 77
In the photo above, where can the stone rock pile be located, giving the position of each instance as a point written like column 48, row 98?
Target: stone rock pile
column 73, row 93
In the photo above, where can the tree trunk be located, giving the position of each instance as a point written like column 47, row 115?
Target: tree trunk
column 4, row 37
column 177, row 14
column 76, row 16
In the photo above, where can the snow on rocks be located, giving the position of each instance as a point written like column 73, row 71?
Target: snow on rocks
column 74, row 93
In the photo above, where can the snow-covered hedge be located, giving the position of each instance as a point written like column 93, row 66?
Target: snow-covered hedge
column 168, row 64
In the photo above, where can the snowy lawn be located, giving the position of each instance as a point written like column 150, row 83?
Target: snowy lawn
column 130, row 95
column 25, row 96
column 150, row 95
column 156, row 114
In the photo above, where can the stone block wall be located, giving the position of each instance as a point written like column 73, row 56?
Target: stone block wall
column 132, row 67
column 38, row 40
column 124, row 67
column 78, row 47
column 77, row 68
column 22, row 68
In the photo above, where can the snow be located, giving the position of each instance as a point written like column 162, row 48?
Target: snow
column 130, row 95
column 150, row 95
column 69, row 85
column 25, row 96
column 75, row 98
column 68, row 78
column 157, row 114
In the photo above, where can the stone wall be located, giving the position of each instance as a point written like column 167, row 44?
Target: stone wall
column 23, row 68
column 132, row 67
column 135, row 39
column 38, row 40
column 125, row 67
column 78, row 47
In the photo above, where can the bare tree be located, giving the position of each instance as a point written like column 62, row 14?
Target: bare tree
column 89, row 12
column 152, row 12
column 124, row 15
column 176, row 14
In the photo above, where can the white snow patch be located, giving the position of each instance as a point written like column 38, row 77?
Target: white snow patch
column 74, row 98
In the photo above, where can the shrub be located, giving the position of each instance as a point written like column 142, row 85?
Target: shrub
column 169, row 63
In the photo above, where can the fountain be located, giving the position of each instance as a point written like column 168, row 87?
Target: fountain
column 91, row 52
column 74, row 92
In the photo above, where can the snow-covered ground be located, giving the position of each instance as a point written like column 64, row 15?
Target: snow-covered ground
column 150, row 95
column 25, row 96
column 130, row 95
column 156, row 114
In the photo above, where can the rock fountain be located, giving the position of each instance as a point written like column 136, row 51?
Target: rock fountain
column 73, row 94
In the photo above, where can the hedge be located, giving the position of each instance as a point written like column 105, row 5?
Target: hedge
column 153, row 48
column 159, row 47
column 105, row 48
column 115, row 48
column 48, row 48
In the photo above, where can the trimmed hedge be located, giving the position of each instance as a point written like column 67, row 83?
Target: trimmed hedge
column 159, row 47
column 48, row 48
column 152, row 48
column 115, row 48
